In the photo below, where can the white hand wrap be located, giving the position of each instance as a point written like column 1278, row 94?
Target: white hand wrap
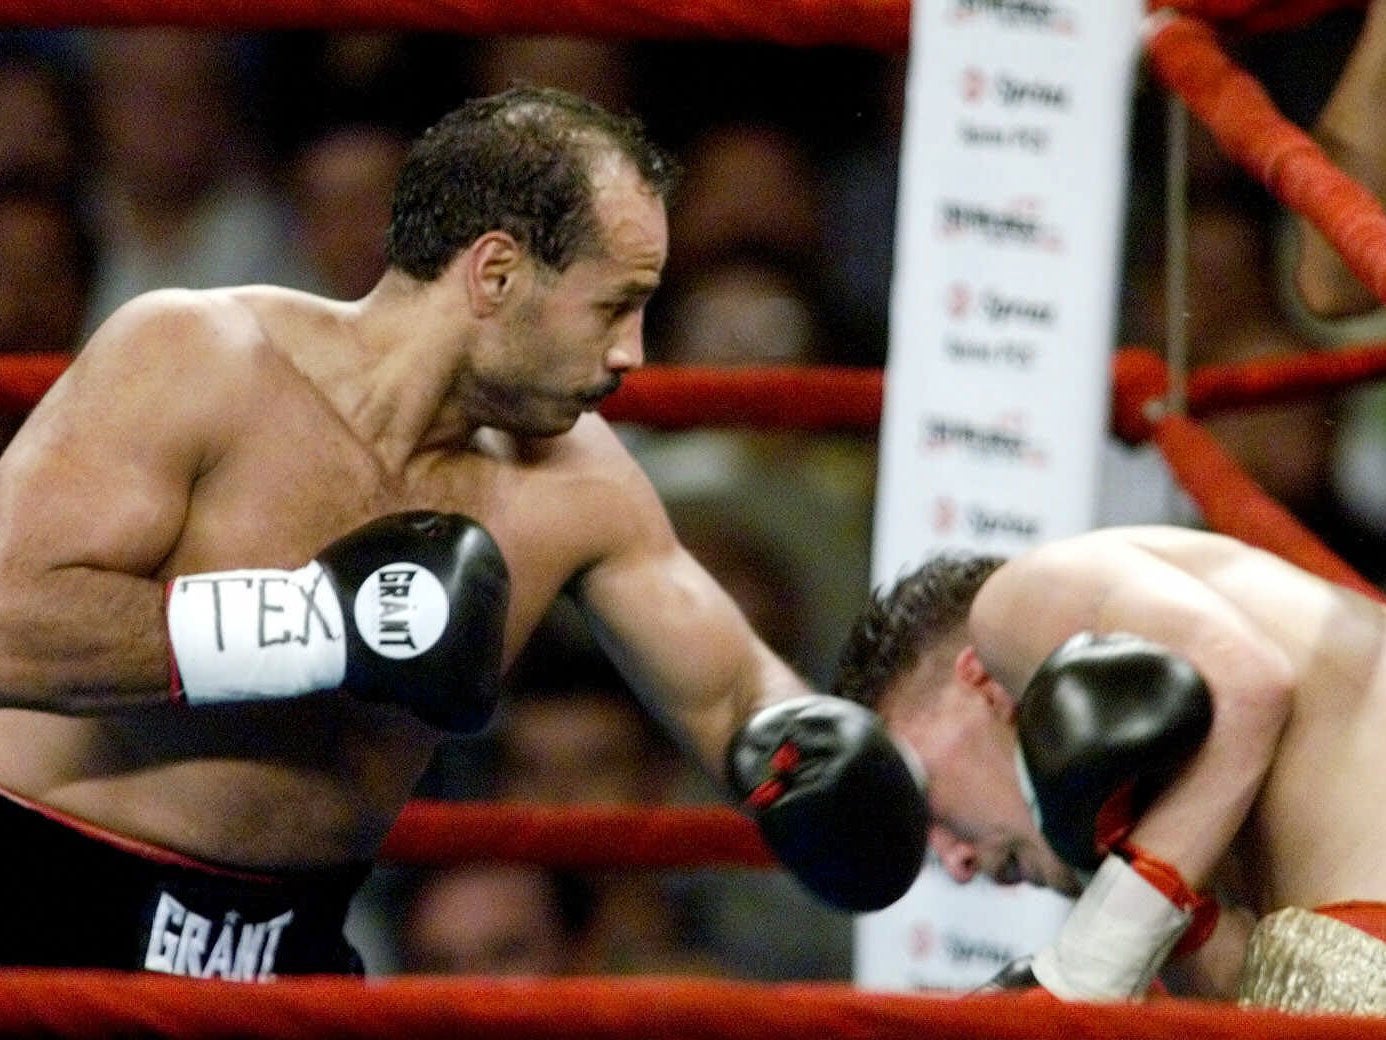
column 255, row 634
column 1115, row 941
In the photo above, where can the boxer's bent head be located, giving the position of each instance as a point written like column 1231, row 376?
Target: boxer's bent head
column 925, row 610
column 519, row 162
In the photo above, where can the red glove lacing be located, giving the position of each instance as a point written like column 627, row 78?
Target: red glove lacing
column 768, row 791
column 1171, row 884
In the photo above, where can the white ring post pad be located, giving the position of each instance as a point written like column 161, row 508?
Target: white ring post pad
column 255, row 634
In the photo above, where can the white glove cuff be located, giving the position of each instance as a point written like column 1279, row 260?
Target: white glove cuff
column 1116, row 939
column 255, row 634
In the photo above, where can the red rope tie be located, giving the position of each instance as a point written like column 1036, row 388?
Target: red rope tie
column 1140, row 382
column 766, row 793
column 1115, row 818
column 785, row 758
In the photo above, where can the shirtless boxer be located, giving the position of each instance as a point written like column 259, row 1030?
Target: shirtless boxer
column 1278, row 771
column 326, row 527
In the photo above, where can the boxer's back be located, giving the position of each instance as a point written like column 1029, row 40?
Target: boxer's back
column 1316, row 833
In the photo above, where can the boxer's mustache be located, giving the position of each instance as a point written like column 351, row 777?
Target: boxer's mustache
column 596, row 396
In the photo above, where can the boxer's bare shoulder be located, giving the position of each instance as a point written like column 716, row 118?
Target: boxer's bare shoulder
column 171, row 356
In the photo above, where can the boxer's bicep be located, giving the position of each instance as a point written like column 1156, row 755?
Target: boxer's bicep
column 84, row 500
column 93, row 494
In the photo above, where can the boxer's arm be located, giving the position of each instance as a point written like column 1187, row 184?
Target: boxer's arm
column 676, row 635
column 1214, row 970
column 1109, row 582
column 679, row 638
column 93, row 492
column 835, row 798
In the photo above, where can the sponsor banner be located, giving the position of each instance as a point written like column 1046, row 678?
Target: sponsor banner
column 913, row 947
column 994, row 430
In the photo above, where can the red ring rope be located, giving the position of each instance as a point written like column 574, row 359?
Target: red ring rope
column 582, row 837
column 1229, row 500
column 1250, row 130
column 799, row 398
column 101, row 1004
column 868, row 24
column 1258, row 16
column 839, row 398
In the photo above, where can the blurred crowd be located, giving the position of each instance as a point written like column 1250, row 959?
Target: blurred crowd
column 134, row 159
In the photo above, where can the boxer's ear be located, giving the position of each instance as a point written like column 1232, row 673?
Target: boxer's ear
column 973, row 674
column 490, row 267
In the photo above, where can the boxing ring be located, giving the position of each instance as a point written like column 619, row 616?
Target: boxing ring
column 1185, row 55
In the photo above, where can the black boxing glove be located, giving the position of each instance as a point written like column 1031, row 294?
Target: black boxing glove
column 835, row 798
column 408, row 609
column 1103, row 725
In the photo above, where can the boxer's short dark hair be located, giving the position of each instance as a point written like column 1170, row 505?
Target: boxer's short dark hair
column 903, row 623
column 520, row 162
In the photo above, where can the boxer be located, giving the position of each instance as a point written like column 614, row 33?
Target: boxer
column 260, row 551
column 1130, row 715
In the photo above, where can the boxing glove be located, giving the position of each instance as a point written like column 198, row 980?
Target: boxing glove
column 835, row 798
column 1102, row 726
column 408, row 609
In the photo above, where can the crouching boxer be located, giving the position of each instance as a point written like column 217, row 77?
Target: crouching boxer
column 328, row 527
column 1220, row 721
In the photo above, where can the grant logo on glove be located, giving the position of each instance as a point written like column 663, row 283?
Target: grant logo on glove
column 401, row 610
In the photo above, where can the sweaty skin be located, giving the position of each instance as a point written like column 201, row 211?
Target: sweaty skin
column 1290, row 777
column 250, row 427
column 1282, row 801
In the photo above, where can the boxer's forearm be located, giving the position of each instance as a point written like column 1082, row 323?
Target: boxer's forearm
column 682, row 643
column 78, row 640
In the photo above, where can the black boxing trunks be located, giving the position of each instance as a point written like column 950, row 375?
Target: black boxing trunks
column 78, row 897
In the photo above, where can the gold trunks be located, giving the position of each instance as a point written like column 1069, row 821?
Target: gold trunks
column 1300, row 960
